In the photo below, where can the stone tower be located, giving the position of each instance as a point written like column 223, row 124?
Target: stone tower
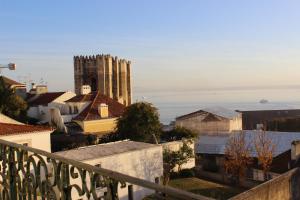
column 106, row 74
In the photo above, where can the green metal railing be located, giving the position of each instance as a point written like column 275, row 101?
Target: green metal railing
column 27, row 173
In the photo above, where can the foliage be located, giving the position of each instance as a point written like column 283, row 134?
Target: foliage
column 139, row 122
column 61, row 141
column 178, row 133
column 237, row 156
column 187, row 173
column 11, row 104
column 91, row 139
column 172, row 159
column 109, row 137
column 265, row 148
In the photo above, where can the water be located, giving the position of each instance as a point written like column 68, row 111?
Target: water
column 175, row 103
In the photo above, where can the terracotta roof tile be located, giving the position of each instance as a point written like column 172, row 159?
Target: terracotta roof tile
column 115, row 109
column 12, row 129
column 44, row 99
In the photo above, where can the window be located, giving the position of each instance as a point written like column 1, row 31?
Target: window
column 75, row 109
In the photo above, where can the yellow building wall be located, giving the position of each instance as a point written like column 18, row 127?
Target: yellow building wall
column 98, row 126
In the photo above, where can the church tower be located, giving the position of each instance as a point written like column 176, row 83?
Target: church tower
column 108, row 75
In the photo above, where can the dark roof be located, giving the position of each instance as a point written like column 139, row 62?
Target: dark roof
column 115, row 109
column 82, row 98
column 252, row 118
column 10, row 82
column 44, row 99
column 12, row 129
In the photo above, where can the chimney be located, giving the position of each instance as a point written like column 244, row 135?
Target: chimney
column 33, row 86
column 103, row 110
column 85, row 89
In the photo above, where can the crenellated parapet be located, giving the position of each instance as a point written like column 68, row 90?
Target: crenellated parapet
column 105, row 73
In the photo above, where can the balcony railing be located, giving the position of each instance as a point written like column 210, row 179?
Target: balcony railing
column 28, row 173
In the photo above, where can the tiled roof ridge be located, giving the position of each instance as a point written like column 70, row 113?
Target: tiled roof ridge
column 91, row 105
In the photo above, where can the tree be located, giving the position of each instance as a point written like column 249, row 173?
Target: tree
column 139, row 122
column 265, row 148
column 237, row 156
column 11, row 104
column 171, row 159
column 178, row 133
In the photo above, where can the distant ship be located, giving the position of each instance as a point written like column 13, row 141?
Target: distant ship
column 263, row 101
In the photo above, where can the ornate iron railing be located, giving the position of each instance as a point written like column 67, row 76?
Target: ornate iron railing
column 28, row 173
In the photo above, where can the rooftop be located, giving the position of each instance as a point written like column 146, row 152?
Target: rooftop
column 10, row 82
column 115, row 109
column 215, row 144
column 103, row 150
column 219, row 111
column 12, row 129
column 43, row 99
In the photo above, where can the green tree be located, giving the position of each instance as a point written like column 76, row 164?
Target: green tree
column 139, row 122
column 11, row 104
column 171, row 159
column 178, row 133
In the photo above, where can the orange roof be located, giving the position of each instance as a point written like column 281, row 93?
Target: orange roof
column 12, row 129
column 115, row 109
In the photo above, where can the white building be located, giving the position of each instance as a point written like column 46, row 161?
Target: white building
column 32, row 136
column 215, row 120
column 135, row 159
column 41, row 104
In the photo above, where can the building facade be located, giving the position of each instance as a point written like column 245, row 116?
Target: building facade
column 94, row 113
column 108, row 75
column 216, row 120
column 28, row 135
column 136, row 159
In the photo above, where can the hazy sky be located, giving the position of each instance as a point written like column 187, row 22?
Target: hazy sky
column 173, row 45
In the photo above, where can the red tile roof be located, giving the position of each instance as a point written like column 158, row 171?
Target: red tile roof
column 115, row 109
column 10, row 82
column 44, row 99
column 12, row 129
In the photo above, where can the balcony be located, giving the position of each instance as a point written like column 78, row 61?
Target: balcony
column 28, row 173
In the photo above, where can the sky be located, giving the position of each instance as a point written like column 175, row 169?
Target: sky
column 173, row 45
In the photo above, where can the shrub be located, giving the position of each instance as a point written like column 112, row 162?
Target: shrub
column 187, row 173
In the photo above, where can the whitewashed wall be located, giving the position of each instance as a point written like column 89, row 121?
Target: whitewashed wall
column 38, row 140
column 42, row 112
column 145, row 164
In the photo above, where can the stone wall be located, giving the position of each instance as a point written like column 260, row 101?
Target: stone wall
column 284, row 187
column 108, row 75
